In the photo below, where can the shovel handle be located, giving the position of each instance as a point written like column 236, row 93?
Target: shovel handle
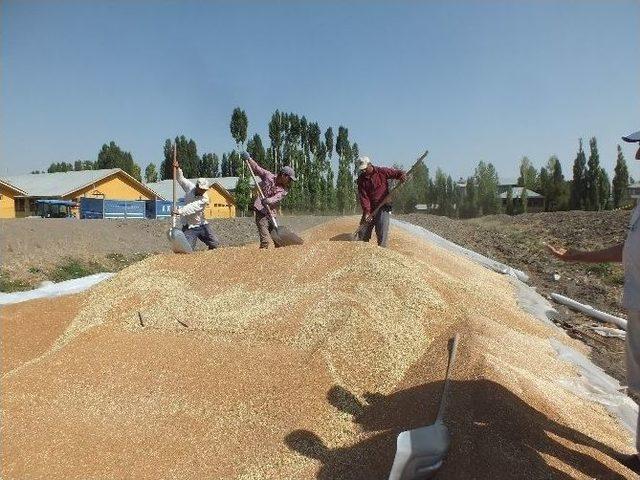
column 175, row 192
column 445, row 388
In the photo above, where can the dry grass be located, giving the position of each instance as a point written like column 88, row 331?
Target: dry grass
column 302, row 362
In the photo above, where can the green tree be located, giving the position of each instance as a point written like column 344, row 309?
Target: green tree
column 313, row 137
column 331, row 194
column 276, row 131
column 578, row 198
column 256, row 149
column 344, row 186
column 243, row 193
column 111, row 156
column 620, row 181
column 440, row 186
column 238, row 126
column 604, row 190
column 328, row 140
column 235, row 163
column 150, row 173
column 186, row 154
column 557, row 192
column 544, row 187
column 208, row 165
column 355, row 153
column 60, row 167
column 528, row 175
column 593, row 176
column 524, row 200
column 509, row 206
column 487, row 181
column 470, row 201
column 225, row 166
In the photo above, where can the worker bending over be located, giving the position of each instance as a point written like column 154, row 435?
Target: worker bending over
column 194, row 223
column 627, row 252
column 275, row 188
column 372, row 189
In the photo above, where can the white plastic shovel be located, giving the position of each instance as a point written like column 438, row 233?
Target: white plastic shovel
column 179, row 243
column 420, row 452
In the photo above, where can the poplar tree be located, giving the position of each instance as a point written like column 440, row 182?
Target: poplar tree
column 186, row 154
column 238, row 127
column 112, row 156
column 593, row 177
column 150, row 173
column 276, row 135
column 509, row 206
column 620, row 181
column 578, row 185
column 604, row 190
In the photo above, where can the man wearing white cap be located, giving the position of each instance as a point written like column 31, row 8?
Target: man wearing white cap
column 628, row 253
column 194, row 223
column 373, row 187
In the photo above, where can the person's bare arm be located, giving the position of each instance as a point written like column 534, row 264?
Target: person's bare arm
column 611, row 254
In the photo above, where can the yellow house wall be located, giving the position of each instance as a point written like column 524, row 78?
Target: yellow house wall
column 219, row 206
column 7, row 203
column 116, row 187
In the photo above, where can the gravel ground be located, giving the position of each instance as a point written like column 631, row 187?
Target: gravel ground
column 302, row 362
column 31, row 247
column 518, row 241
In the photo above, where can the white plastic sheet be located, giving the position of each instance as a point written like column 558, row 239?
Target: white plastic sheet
column 465, row 252
column 595, row 385
column 55, row 289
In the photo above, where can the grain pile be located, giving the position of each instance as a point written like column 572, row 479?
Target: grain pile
column 302, row 362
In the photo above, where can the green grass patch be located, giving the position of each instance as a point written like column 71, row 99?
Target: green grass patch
column 120, row 261
column 8, row 285
column 74, row 268
column 608, row 272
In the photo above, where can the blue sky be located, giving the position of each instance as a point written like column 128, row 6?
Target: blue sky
column 470, row 81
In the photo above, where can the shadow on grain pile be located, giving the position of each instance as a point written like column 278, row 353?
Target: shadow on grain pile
column 301, row 362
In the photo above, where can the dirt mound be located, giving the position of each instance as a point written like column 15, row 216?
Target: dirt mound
column 302, row 362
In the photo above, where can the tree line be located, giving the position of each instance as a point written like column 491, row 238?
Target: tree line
column 109, row 156
column 479, row 194
column 293, row 141
column 302, row 144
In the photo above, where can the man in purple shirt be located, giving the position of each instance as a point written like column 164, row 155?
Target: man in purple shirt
column 372, row 189
column 275, row 188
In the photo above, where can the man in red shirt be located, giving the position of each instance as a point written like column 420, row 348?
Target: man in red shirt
column 372, row 189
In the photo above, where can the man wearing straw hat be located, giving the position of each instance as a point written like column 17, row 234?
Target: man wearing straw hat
column 194, row 223
column 628, row 253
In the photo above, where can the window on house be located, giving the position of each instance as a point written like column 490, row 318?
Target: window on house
column 32, row 205
column 20, row 204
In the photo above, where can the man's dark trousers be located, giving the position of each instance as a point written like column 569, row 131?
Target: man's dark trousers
column 381, row 224
column 202, row 232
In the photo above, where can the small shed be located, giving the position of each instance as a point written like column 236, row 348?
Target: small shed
column 106, row 184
